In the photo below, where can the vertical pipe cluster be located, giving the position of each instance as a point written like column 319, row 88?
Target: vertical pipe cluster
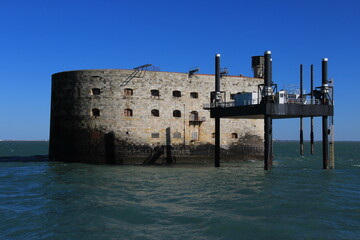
column 301, row 119
column 325, row 118
column 217, row 119
column 267, row 118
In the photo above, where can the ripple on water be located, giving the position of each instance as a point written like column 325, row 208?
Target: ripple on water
column 296, row 200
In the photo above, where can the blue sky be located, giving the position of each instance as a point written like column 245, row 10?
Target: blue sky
column 42, row 37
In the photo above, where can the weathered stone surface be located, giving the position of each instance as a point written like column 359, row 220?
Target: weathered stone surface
column 113, row 137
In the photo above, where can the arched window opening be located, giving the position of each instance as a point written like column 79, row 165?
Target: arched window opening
column 128, row 112
column 128, row 92
column 176, row 113
column 176, row 94
column 155, row 113
column 155, row 93
column 194, row 95
column 234, row 135
column 194, row 116
column 95, row 91
column 95, row 112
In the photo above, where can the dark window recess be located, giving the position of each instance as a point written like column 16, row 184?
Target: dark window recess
column 128, row 112
column 177, row 135
column 95, row 112
column 155, row 135
column 95, row 91
column 155, row 113
column 176, row 113
column 155, row 93
column 128, row 92
column 234, row 135
column 176, row 94
column 232, row 96
column 194, row 95
column 213, row 135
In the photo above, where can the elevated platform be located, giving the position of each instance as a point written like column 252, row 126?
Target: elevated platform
column 274, row 110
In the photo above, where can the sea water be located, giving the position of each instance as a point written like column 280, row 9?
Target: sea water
column 295, row 200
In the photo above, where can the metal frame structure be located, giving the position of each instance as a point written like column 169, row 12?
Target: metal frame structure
column 268, row 109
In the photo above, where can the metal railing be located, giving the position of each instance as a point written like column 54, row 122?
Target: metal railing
column 303, row 101
column 300, row 101
column 218, row 105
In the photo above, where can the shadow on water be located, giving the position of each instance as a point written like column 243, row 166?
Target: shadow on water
column 36, row 158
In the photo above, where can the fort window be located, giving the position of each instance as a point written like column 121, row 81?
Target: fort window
column 177, row 135
column 194, row 136
column 155, row 113
column 95, row 91
column 213, row 135
column 194, row 95
column 128, row 112
column 234, row 135
column 128, row 92
column 176, row 94
column 176, row 113
column 232, row 96
column 155, row 135
column 95, row 112
column 194, row 116
column 155, row 93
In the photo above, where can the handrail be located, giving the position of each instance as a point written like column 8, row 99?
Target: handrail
column 300, row 101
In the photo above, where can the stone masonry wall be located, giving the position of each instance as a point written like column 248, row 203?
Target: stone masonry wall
column 113, row 137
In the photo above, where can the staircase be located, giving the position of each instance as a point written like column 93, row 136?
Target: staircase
column 138, row 72
column 154, row 155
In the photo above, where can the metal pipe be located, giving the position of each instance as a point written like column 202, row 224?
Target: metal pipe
column 301, row 119
column 312, row 118
column 217, row 119
column 217, row 73
column 325, row 129
column 267, row 118
column 267, row 75
column 268, row 143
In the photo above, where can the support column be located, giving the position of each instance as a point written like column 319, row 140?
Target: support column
column 325, row 129
column 217, row 119
column 312, row 118
column 301, row 119
column 268, row 143
column 168, row 146
column 267, row 118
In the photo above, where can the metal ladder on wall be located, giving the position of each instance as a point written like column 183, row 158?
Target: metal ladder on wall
column 138, row 72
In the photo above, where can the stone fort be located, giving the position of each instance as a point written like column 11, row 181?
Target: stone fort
column 119, row 116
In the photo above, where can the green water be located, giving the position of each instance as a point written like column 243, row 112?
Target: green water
column 23, row 148
column 295, row 200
